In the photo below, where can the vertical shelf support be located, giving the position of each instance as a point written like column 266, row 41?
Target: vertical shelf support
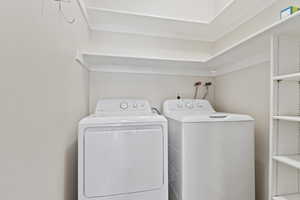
column 273, row 110
column 284, row 136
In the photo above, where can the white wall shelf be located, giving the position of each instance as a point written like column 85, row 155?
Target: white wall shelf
column 130, row 64
column 287, row 197
column 284, row 158
column 287, row 77
column 290, row 160
column 288, row 118
column 252, row 50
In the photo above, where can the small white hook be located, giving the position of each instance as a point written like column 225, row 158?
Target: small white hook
column 70, row 21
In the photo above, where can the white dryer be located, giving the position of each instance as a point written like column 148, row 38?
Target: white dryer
column 122, row 153
column 211, row 155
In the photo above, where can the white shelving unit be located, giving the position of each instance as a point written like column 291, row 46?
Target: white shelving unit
column 288, row 77
column 291, row 160
column 288, row 118
column 287, row 197
column 284, row 173
column 251, row 50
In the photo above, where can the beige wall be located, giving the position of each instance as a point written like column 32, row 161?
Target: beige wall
column 43, row 95
column 247, row 91
column 155, row 88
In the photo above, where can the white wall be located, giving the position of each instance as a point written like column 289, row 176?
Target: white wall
column 43, row 95
column 247, row 91
column 155, row 88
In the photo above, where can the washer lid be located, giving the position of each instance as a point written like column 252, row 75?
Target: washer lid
column 197, row 110
column 208, row 117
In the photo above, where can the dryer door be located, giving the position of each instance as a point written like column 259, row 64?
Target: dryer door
column 122, row 160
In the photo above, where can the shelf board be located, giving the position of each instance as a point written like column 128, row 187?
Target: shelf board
column 152, row 65
column 290, row 160
column 287, row 197
column 288, row 118
column 287, row 77
column 250, row 51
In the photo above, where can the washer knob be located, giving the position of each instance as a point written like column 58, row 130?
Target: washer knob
column 124, row 105
column 179, row 105
column 142, row 105
column 199, row 105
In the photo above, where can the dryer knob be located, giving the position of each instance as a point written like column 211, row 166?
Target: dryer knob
column 124, row 105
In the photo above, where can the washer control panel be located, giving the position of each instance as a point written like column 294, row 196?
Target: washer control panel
column 188, row 105
column 118, row 106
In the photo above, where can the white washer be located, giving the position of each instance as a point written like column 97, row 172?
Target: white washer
column 122, row 153
column 211, row 155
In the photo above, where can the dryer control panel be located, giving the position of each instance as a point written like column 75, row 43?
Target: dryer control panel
column 122, row 106
column 197, row 105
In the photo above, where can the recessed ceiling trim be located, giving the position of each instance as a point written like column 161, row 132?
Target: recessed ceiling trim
column 213, row 18
column 230, row 29
column 227, row 5
column 103, row 19
column 148, row 15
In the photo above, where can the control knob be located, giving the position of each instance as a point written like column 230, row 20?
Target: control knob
column 124, row 105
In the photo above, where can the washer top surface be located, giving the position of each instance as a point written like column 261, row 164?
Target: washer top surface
column 122, row 111
column 198, row 110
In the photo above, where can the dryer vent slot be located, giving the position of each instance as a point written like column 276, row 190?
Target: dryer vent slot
column 218, row 116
